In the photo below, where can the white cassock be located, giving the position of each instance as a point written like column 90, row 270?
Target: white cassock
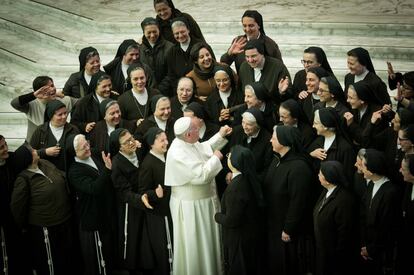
column 190, row 170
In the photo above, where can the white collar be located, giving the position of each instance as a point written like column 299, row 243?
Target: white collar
column 100, row 98
column 235, row 174
column 330, row 191
column 328, row 142
column 158, row 156
column 161, row 124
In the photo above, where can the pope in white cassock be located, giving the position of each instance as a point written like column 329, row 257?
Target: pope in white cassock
column 190, row 170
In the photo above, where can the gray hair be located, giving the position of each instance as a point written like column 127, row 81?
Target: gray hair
column 178, row 24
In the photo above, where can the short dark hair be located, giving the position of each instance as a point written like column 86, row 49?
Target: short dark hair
column 40, row 81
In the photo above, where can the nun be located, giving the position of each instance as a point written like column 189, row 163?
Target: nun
column 253, row 28
column 204, row 61
column 225, row 98
column 185, row 95
column 363, row 104
column 361, row 69
column 135, row 102
column 112, row 119
column 11, row 237
column 241, row 215
column 156, row 196
column 312, row 57
column 309, row 98
column 41, row 207
column 253, row 135
column 154, row 48
column 127, row 55
column 332, row 142
column 132, row 245
column 166, row 13
column 289, row 196
column 179, row 56
column 90, row 178
column 89, row 64
column 49, row 139
column 406, row 238
column 207, row 129
column 335, row 223
column 291, row 114
column 380, row 212
column 161, row 118
column 331, row 95
column 392, row 141
column 256, row 95
column 86, row 113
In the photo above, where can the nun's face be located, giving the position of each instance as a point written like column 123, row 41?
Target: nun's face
column 59, row 118
column 250, row 27
column 181, row 34
column 254, row 58
column 104, row 88
column 223, row 81
column 396, row 122
column 138, row 80
column 151, row 33
column 285, row 117
column 404, row 142
column 160, row 144
column 205, row 59
column 317, row 124
column 251, row 100
column 93, row 65
column 127, row 144
column 276, row 146
column 184, row 90
column 130, row 57
column 163, row 11
column 322, row 179
column 309, row 61
column 405, row 171
column 323, row 93
column 354, row 100
column 312, row 82
column 367, row 174
column 355, row 68
column 113, row 115
column 83, row 151
column 250, row 128
column 4, row 149
column 163, row 110
column 358, row 165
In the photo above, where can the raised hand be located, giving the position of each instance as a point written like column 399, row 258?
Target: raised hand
column 237, row 46
column 90, row 126
column 390, row 70
column 283, row 84
column 224, row 114
column 107, row 160
column 225, row 131
column 303, row 95
column 349, row 118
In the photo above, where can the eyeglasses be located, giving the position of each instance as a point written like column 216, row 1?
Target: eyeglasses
column 129, row 141
column 323, row 91
column 308, row 62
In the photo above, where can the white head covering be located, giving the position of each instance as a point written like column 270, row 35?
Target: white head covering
column 181, row 125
